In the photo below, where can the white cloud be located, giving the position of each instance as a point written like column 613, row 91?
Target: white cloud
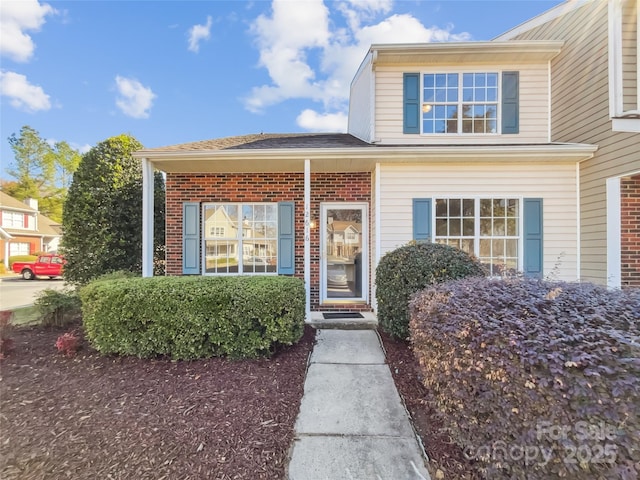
column 198, row 33
column 134, row 99
column 285, row 51
column 322, row 122
column 76, row 146
column 23, row 95
column 80, row 148
column 16, row 18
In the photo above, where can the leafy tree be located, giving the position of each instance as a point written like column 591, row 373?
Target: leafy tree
column 102, row 217
column 66, row 161
column 41, row 171
column 33, row 158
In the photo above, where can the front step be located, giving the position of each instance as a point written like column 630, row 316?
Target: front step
column 369, row 322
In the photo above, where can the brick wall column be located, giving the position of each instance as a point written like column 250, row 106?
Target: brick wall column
column 630, row 231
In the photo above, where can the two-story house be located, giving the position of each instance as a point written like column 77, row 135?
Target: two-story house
column 595, row 98
column 24, row 230
column 447, row 142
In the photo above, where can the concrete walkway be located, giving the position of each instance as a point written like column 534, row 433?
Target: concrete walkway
column 352, row 424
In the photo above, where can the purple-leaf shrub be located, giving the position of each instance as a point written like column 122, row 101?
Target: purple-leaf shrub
column 535, row 379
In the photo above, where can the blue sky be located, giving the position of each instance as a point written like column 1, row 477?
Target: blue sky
column 170, row 72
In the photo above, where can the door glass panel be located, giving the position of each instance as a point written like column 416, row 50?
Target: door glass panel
column 343, row 253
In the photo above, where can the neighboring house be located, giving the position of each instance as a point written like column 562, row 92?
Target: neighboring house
column 24, row 230
column 595, row 98
column 453, row 143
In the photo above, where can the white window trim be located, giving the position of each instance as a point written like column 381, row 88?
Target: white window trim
column 21, row 244
column 240, row 241
column 461, row 71
column 13, row 215
column 622, row 121
column 476, row 233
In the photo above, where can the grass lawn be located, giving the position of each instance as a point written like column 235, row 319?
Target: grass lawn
column 26, row 316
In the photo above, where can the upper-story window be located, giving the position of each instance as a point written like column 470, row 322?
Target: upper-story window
column 13, row 220
column 624, row 61
column 460, row 103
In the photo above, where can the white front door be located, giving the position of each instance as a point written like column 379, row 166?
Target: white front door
column 344, row 252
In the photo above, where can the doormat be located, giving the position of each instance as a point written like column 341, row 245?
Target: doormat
column 334, row 316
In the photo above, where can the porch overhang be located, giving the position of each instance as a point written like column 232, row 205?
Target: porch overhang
column 352, row 158
column 360, row 159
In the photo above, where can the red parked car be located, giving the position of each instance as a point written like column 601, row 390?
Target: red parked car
column 45, row 266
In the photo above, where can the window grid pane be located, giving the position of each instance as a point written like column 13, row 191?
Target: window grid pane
column 499, row 235
column 451, row 106
column 497, row 242
column 455, row 223
column 240, row 238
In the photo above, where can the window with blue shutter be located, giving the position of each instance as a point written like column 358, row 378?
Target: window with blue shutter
column 190, row 238
column 411, row 96
column 510, row 101
column 422, row 219
column 532, row 237
column 286, row 238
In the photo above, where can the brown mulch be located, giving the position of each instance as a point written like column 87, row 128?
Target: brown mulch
column 106, row 417
column 446, row 459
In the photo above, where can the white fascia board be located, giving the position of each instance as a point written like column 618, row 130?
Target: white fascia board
column 391, row 151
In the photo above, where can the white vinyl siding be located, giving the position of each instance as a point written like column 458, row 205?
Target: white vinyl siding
column 360, row 107
column 580, row 99
column 534, row 106
column 555, row 184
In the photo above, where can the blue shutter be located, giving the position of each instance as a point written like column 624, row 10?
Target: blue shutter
column 510, row 100
column 533, row 253
column 411, row 96
column 422, row 219
column 286, row 239
column 190, row 238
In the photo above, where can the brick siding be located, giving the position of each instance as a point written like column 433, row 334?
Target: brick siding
column 630, row 231
column 266, row 187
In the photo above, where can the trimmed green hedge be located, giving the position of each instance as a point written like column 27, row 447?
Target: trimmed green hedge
column 21, row 258
column 410, row 268
column 193, row 317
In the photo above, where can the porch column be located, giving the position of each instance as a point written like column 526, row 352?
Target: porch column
column 147, row 218
column 307, row 236
column 614, row 267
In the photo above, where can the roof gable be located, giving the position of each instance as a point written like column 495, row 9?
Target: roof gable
column 7, row 202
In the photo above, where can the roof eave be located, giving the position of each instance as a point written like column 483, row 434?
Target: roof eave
column 521, row 51
column 354, row 159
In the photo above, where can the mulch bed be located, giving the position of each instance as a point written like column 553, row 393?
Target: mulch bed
column 92, row 416
column 446, row 459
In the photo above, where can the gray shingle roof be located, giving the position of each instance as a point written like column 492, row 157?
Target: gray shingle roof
column 269, row 141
